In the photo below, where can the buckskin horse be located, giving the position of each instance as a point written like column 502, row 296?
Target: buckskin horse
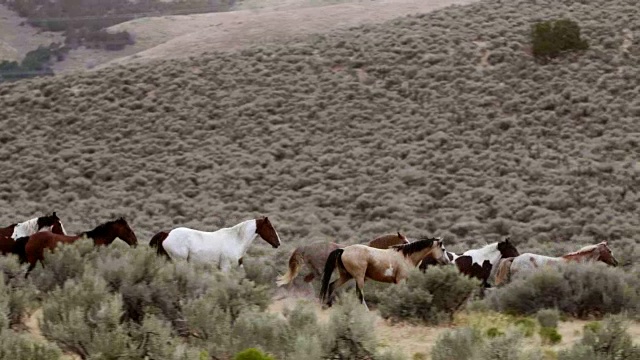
column 223, row 248
column 31, row 248
column 315, row 255
column 362, row 262
column 9, row 234
column 529, row 262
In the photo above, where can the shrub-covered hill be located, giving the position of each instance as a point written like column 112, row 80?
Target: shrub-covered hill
column 439, row 123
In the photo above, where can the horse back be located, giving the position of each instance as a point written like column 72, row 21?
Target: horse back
column 386, row 241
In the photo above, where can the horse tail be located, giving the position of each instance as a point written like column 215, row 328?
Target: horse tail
column 156, row 242
column 504, row 269
column 20, row 248
column 294, row 266
column 335, row 258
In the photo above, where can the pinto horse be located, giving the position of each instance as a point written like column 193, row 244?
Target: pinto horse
column 315, row 255
column 529, row 262
column 223, row 248
column 31, row 248
column 9, row 234
column 362, row 262
column 482, row 263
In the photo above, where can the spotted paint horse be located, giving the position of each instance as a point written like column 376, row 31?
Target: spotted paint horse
column 482, row 263
column 528, row 262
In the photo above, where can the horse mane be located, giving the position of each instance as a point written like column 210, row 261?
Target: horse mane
column 418, row 245
column 100, row 230
column 583, row 250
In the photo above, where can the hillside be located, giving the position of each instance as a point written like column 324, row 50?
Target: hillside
column 437, row 124
column 166, row 37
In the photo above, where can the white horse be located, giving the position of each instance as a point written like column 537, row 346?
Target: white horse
column 223, row 248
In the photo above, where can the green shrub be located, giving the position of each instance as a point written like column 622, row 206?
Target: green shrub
column 526, row 326
column 579, row 290
column 430, row 297
column 458, row 344
column 550, row 335
column 20, row 347
column 493, row 332
column 16, row 293
column 350, row 334
column 607, row 341
column 252, row 354
column 548, row 317
column 553, row 37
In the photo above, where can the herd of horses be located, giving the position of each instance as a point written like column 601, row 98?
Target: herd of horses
column 387, row 259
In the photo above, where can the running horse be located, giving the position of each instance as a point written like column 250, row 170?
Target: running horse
column 482, row 263
column 31, row 248
column 315, row 255
column 223, row 248
column 529, row 262
column 9, row 234
column 390, row 265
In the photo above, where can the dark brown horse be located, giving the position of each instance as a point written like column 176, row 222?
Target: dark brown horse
column 9, row 234
column 31, row 248
column 315, row 255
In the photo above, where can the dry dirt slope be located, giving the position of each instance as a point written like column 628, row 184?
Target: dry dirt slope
column 380, row 128
column 191, row 35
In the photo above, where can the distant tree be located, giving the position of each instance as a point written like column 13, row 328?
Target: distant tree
column 552, row 38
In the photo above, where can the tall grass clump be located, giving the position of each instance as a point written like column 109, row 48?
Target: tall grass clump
column 578, row 290
column 551, row 38
column 430, row 297
column 606, row 340
column 468, row 343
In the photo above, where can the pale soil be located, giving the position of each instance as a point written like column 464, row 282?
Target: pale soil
column 414, row 339
column 190, row 35
column 16, row 41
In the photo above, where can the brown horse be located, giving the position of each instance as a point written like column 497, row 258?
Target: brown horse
column 362, row 262
column 9, row 234
column 31, row 248
column 315, row 255
column 529, row 262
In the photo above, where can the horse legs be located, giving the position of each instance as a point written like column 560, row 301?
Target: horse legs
column 335, row 285
column 360, row 293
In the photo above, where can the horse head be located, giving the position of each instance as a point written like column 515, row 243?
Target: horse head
column 605, row 255
column 122, row 230
column 422, row 249
column 51, row 221
column 507, row 249
column 267, row 232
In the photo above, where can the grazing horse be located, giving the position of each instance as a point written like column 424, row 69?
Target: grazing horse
column 31, row 248
column 528, row 262
column 384, row 265
column 315, row 255
column 481, row 263
column 223, row 248
column 9, row 234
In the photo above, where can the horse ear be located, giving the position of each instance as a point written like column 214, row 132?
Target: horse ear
column 401, row 236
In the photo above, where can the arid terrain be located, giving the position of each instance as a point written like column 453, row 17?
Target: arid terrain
column 439, row 123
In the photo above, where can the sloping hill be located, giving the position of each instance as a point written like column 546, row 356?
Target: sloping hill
column 183, row 36
column 439, row 123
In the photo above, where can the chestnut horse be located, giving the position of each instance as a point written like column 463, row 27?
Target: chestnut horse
column 31, row 248
column 224, row 247
column 9, row 234
column 528, row 262
column 315, row 255
column 362, row 262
